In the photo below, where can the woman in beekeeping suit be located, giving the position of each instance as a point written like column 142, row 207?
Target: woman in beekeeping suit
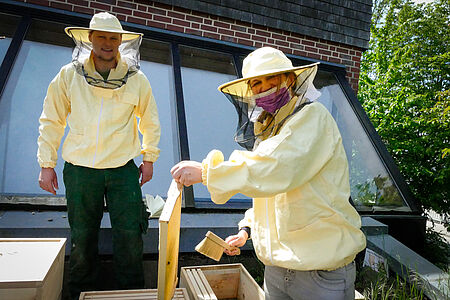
column 302, row 225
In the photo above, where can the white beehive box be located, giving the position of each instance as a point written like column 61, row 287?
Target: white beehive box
column 31, row 268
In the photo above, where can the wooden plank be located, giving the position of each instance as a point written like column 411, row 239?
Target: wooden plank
column 248, row 286
column 147, row 294
column 169, row 242
column 181, row 293
column 18, row 293
column 224, row 281
column 196, row 293
column 225, row 285
column 207, row 285
column 183, row 281
column 186, row 282
column 201, row 285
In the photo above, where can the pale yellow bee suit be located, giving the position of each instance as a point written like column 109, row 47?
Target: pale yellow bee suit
column 301, row 217
column 102, row 121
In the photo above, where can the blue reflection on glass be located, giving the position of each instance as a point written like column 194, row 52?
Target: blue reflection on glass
column 211, row 119
column 4, row 44
column 161, row 80
column 20, row 108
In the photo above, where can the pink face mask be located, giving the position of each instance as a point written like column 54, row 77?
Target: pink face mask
column 271, row 100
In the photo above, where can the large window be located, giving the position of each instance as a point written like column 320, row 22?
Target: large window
column 209, row 118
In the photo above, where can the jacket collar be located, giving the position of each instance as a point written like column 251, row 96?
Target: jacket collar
column 118, row 72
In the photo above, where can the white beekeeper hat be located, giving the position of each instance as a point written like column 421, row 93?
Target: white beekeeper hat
column 101, row 22
column 263, row 62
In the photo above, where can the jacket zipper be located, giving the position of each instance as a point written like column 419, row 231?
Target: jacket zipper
column 269, row 248
column 98, row 133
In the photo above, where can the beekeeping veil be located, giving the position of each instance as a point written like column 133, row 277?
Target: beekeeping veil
column 253, row 121
column 129, row 49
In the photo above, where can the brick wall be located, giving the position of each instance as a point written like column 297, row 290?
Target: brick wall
column 177, row 19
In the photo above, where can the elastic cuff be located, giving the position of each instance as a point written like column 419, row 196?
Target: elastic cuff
column 248, row 230
column 150, row 157
column 213, row 158
column 47, row 165
column 204, row 173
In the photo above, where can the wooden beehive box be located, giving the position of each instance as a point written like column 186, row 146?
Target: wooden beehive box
column 31, row 268
column 180, row 294
column 229, row 281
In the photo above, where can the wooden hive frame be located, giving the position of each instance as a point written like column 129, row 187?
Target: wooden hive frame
column 169, row 243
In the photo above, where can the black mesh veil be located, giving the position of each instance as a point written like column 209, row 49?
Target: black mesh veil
column 249, row 113
column 129, row 52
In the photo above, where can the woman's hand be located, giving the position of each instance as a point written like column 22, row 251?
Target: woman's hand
column 187, row 172
column 237, row 240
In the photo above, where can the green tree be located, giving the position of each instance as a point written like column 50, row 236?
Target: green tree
column 404, row 87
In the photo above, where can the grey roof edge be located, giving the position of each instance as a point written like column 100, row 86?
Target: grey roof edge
column 411, row 266
column 323, row 21
column 239, row 15
column 52, row 224
column 331, row 9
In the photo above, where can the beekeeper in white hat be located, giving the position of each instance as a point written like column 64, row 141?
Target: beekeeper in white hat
column 100, row 93
column 302, row 225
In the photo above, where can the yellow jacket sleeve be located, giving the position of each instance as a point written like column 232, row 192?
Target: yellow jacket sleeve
column 149, row 125
column 280, row 163
column 52, row 122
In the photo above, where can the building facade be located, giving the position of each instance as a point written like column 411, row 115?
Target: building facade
column 189, row 49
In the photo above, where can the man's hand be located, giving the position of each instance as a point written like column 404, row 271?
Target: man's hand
column 187, row 172
column 145, row 172
column 237, row 240
column 48, row 180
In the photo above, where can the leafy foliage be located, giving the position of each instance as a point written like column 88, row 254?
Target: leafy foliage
column 380, row 286
column 437, row 250
column 405, row 89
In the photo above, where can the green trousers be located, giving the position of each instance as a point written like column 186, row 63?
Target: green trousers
column 86, row 190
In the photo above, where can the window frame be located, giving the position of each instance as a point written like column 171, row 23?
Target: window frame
column 29, row 12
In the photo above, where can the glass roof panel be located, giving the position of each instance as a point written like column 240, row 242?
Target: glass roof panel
column 202, row 72
column 372, row 187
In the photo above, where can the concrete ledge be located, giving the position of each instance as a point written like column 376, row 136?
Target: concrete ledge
column 411, row 266
column 16, row 224
column 370, row 226
column 404, row 261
